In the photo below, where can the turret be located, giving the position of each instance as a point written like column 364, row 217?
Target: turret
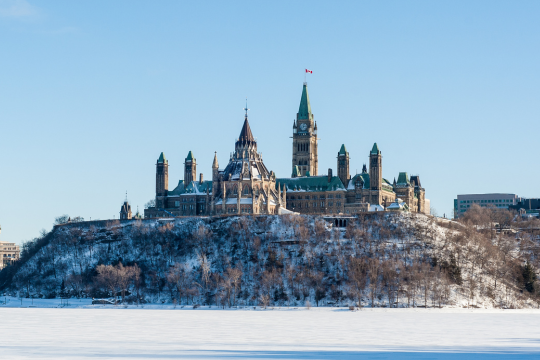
column 125, row 210
column 343, row 165
column 284, row 196
column 190, row 168
column 162, row 181
column 375, row 175
column 375, row 168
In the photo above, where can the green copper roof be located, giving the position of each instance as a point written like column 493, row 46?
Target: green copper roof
column 307, row 173
column 190, row 156
column 311, row 183
column 305, row 108
column 343, row 150
column 162, row 159
column 364, row 177
column 403, row 179
column 375, row 149
column 192, row 188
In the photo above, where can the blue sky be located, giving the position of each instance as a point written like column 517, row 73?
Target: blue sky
column 91, row 93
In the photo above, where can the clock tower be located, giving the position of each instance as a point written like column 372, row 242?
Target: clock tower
column 305, row 139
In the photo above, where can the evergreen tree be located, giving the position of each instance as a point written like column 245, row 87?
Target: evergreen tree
column 454, row 270
column 529, row 277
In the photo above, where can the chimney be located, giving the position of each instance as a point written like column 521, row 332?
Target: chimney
column 329, row 175
column 200, row 178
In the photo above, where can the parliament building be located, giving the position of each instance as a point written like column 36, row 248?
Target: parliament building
column 246, row 186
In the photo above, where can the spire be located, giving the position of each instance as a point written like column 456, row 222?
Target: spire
column 162, row 159
column 246, row 137
column 304, row 112
column 375, row 150
column 245, row 134
column 190, row 156
column 343, row 150
column 215, row 164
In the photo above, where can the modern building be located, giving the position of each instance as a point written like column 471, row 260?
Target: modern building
column 499, row 201
column 527, row 206
column 246, row 186
column 9, row 252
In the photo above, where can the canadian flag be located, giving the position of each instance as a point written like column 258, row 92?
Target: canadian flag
column 309, row 71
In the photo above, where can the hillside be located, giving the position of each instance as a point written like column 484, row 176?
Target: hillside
column 385, row 259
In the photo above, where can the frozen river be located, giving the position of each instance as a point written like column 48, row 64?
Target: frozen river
column 323, row 333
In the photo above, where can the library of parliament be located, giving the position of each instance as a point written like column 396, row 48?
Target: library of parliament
column 246, row 186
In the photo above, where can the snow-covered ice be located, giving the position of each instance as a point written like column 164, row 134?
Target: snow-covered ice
column 155, row 332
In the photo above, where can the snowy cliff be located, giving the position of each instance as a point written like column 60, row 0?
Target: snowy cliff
column 398, row 260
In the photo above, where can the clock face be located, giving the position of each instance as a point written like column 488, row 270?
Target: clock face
column 303, row 127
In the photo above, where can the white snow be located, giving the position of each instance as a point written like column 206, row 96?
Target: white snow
column 106, row 332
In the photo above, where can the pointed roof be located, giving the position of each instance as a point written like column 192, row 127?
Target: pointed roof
column 215, row 164
column 305, row 108
column 190, row 156
column 403, row 179
column 375, row 149
column 343, row 150
column 245, row 134
column 162, row 159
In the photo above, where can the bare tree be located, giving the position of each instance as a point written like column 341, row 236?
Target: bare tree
column 108, row 278
column 234, row 276
column 181, row 278
column 374, row 269
column 358, row 277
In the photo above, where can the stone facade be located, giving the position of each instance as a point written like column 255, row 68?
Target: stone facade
column 305, row 161
column 125, row 211
column 245, row 186
column 9, row 252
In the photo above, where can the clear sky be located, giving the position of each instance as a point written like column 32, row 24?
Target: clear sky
column 91, row 93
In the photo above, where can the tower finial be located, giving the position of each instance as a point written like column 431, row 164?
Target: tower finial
column 246, row 109
column 126, row 196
